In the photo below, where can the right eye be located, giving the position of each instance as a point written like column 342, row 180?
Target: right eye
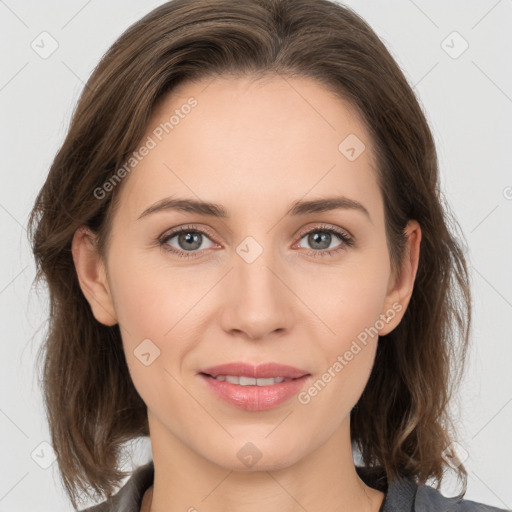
column 188, row 240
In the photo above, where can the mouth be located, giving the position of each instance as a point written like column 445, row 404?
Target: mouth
column 254, row 388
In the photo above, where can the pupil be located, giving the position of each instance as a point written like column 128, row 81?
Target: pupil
column 319, row 238
column 191, row 239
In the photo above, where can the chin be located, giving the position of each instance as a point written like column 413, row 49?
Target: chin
column 260, row 454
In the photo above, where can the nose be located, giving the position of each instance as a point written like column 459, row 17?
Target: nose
column 258, row 302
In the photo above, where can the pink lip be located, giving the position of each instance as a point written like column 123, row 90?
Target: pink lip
column 261, row 371
column 255, row 398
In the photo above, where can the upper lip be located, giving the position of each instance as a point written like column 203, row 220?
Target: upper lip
column 261, row 371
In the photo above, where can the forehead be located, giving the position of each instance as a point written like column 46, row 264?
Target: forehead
column 258, row 142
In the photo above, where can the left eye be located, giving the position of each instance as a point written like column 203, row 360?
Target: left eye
column 321, row 238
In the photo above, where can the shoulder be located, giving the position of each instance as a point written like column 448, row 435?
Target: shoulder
column 405, row 495
column 129, row 497
column 429, row 499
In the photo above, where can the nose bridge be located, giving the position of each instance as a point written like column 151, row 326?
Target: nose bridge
column 257, row 301
column 253, row 265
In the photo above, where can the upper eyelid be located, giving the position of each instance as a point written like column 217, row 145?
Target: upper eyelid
column 336, row 229
column 176, row 231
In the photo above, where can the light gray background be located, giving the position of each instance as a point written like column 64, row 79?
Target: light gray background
column 468, row 101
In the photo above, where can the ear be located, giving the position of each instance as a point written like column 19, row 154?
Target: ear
column 400, row 287
column 92, row 276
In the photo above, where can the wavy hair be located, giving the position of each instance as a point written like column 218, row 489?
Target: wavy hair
column 401, row 425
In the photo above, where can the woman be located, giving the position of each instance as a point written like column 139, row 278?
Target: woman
column 249, row 262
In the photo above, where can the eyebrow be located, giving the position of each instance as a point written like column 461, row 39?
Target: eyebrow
column 299, row 207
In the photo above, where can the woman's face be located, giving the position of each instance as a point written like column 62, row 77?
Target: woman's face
column 268, row 281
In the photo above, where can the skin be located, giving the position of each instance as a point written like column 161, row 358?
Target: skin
column 254, row 147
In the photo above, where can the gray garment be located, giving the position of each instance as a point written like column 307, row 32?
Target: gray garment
column 402, row 495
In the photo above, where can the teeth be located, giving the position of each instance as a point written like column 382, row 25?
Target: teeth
column 251, row 381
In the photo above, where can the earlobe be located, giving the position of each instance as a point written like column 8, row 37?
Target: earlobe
column 92, row 277
column 400, row 292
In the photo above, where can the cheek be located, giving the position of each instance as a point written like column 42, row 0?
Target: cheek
column 350, row 304
column 156, row 307
column 151, row 310
column 351, row 300
column 147, row 297
column 347, row 350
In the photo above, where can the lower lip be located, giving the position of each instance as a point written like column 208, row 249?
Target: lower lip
column 255, row 398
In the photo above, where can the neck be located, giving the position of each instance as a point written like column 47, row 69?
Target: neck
column 147, row 500
column 325, row 479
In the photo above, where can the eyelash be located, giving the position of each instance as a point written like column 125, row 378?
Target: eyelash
column 346, row 240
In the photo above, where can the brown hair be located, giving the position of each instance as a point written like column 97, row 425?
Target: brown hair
column 401, row 423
